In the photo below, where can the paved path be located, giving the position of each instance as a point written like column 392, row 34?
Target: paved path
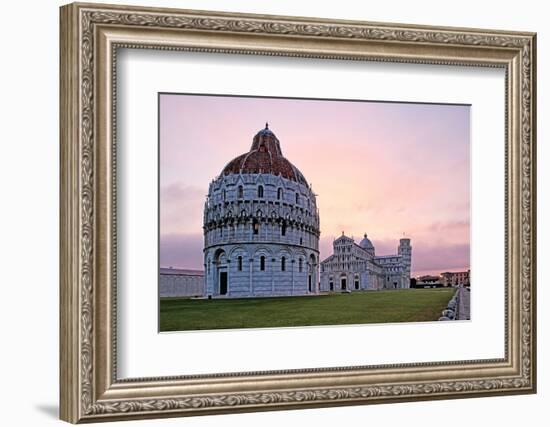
column 463, row 304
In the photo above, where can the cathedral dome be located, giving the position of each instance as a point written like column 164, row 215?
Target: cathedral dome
column 265, row 156
column 366, row 243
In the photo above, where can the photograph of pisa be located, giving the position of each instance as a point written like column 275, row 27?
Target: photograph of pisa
column 286, row 212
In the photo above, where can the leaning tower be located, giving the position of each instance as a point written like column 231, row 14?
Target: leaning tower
column 405, row 250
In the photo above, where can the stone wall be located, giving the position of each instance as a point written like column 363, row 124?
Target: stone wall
column 181, row 283
column 251, row 217
column 285, row 270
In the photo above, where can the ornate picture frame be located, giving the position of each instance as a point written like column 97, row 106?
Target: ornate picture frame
column 90, row 37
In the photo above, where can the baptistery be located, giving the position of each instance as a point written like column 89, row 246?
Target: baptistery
column 261, row 226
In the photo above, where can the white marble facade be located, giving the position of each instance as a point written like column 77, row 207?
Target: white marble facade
column 261, row 227
column 177, row 282
column 355, row 267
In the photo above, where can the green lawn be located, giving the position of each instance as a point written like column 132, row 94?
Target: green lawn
column 405, row 305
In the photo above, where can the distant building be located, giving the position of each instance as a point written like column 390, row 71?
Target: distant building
column 428, row 281
column 355, row 267
column 175, row 282
column 457, row 278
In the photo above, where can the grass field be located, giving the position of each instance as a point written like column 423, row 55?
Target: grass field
column 405, row 305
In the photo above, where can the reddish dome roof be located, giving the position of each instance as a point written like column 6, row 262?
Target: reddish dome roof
column 265, row 156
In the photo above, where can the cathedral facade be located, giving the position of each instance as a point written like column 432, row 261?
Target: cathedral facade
column 261, row 226
column 355, row 267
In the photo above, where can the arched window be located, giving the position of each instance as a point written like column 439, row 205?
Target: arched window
column 279, row 194
column 356, row 282
column 283, row 264
column 255, row 226
column 240, row 192
column 297, row 198
column 240, row 263
column 331, row 286
column 262, row 263
column 283, row 229
column 300, row 265
column 224, row 195
column 260, row 191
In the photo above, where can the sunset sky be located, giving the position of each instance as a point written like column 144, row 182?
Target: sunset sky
column 385, row 169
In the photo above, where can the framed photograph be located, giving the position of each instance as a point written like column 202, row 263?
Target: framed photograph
column 267, row 212
column 263, row 238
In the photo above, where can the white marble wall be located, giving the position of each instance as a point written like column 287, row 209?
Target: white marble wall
column 181, row 285
column 246, row 277
column 274, row 218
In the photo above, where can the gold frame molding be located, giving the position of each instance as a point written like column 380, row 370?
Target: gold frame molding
column 90, row 36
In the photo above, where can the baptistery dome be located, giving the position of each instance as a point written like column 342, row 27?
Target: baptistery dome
column 265, row 156
column 261, row 226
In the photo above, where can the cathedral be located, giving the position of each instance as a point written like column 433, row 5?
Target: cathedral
column 355, row 267
column 261, row 226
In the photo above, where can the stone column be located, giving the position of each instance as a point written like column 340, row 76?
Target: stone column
column 316, row 280
column 292, row 275
column 272, row 276
column 250, row 266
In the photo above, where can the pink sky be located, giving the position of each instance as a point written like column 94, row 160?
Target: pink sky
column 387, row 169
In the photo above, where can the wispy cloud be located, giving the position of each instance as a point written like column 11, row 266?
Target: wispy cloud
column 181, row 207
column 181, row 250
